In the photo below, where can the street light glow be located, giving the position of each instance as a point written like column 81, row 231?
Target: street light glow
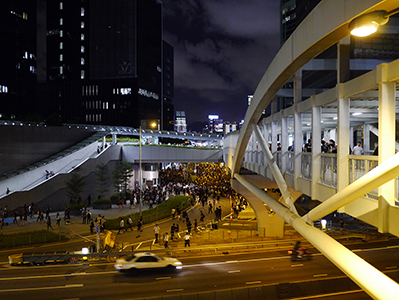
column 367, row 24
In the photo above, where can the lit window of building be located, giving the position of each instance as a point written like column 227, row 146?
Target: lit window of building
column 61, row 6
column 61, row 21
column 61, row 57
column 61, row 45
column 61, row 33
column 82, row 61
column 82, row 24
column 82, row 74
column 82, row 11
column 61, row 70
column 82, row 49
column 82, row 36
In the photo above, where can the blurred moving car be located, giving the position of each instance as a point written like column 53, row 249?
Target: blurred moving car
column 147, row 261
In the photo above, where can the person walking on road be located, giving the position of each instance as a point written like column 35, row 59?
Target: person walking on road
column 49, row 223
column 58, row 219
column 187, row 239
column 121, row 226
column 166, row 240
column 130, row 223
column 156, row 229
column 342, row 226
column 139, row 226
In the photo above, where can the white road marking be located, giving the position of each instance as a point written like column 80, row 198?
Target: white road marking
column 68, row 286
column 253, row 282
column 175, row 290
column 390, row 268
column 231, row 261
column 235, row 271
column 297, row 265
column 58, row 275
column 320, row 275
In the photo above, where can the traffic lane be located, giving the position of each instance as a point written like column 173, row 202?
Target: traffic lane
column 207, row 276
column 384, row 260
column 194, row 278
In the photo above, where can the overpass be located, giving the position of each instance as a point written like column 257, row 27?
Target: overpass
column 31, row 184
column 364, row 187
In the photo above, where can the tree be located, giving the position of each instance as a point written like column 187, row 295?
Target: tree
column 121, row 176
column 101, row 172
column 75, row 185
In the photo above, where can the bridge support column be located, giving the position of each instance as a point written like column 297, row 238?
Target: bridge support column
column 316, row 149
column 386, row 143
column 284, row 144
column 269, row 224
column 298, row 136
column 114, row 140
column 342, row 141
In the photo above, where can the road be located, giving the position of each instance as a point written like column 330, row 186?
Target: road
column 199, row 274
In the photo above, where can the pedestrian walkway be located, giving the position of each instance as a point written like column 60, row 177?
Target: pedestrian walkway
column 76, row 222
column 229, row 231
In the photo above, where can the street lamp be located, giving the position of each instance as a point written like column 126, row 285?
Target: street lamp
column 367, row 24
column 140, row 172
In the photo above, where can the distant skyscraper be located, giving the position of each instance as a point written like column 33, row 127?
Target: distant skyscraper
column 293, row 12
column 103, row 63
column 17, row 58
column 180, row 121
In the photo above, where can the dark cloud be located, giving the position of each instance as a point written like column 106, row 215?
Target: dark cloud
column 222, row 48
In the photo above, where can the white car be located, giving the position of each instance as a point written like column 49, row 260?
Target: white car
column 147, row 261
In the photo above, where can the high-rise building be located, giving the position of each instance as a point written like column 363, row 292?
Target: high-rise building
column 180, row 121
column 17, row 58
column 86, row 61
column 104, row 63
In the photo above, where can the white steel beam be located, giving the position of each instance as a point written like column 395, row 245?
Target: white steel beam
column 372, row 281
column 383, row 173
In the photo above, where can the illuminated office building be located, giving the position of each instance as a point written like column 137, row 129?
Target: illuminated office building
column 103, row 63
column 17, row 58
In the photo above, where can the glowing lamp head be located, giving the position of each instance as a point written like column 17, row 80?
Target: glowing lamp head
column 365, row 30
column 368, row 23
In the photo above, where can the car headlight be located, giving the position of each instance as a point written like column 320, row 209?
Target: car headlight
column 118, row 266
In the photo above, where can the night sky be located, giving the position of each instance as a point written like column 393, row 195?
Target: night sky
column 221, row 50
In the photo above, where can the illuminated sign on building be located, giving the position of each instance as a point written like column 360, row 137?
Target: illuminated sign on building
column 213, row 117
column 148, row 94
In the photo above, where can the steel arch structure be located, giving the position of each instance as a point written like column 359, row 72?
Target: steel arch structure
column 325, row 26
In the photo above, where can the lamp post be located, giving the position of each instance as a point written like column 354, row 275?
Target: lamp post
column 367, row 24
column 140, row 172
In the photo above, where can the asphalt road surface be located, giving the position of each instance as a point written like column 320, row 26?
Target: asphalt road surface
column 199, row 274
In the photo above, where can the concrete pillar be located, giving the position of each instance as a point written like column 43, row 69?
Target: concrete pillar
column 298, row 142
column 274, row 136
column 316, row 148
column 343, row 142
column 114, row 140
column 343, row 60
column 269, row 224
column 386, row 143
column 298, row 137
column 284, row 144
